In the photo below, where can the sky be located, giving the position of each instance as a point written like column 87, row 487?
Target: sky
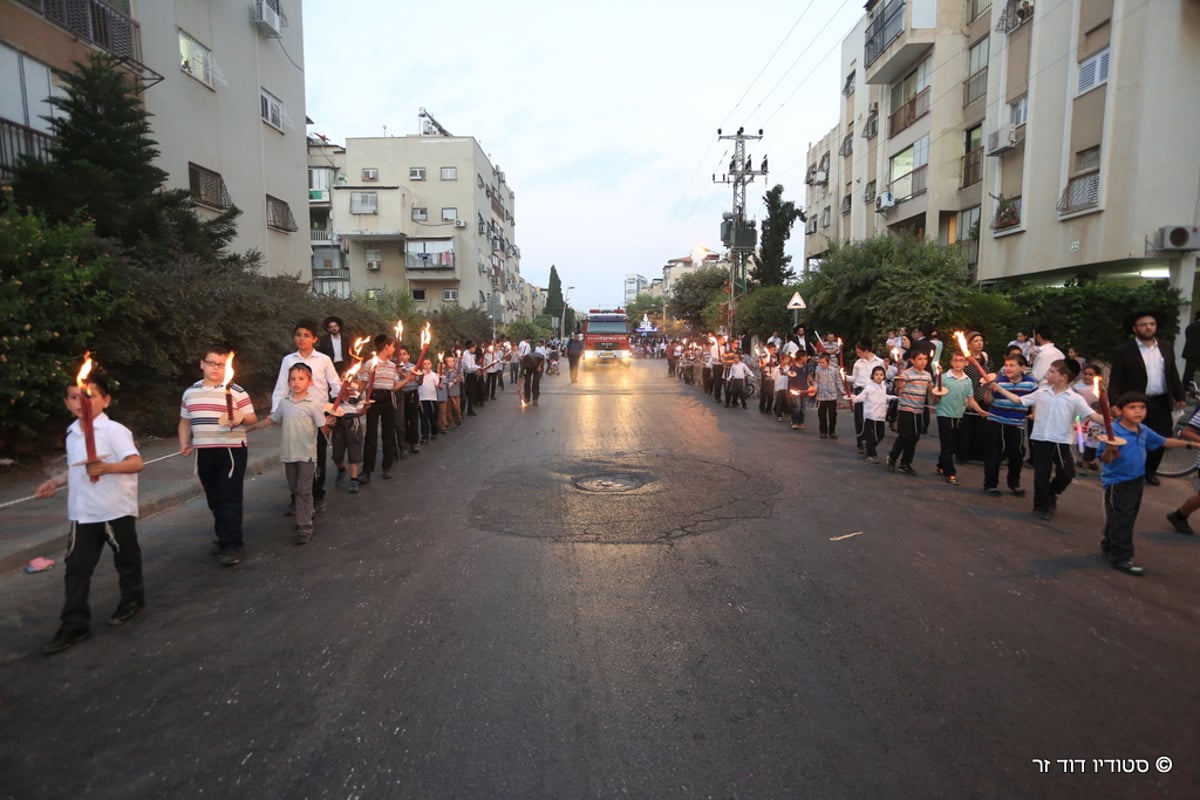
column 603, row 117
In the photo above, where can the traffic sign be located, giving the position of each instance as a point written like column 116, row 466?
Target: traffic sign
column 796, row 302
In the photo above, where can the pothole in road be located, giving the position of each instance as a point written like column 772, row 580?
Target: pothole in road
column 620, row 482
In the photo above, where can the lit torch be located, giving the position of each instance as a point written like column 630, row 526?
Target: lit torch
column 335, row 409
column 966, row 351
column 85, row 408
column 229, row 388
column 938, row 390
column 399, row 329
column 1106, row 412
column 426, row 336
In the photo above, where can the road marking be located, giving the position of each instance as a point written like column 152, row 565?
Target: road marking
column 845, row 536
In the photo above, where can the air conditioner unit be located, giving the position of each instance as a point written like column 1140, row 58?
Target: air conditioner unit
column 1002, row 140
column 884, row 200
column 460, row 223
column 266, row 16
column 1178, row 237
column 373, row 266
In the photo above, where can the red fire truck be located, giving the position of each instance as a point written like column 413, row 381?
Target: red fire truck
column 606, row 338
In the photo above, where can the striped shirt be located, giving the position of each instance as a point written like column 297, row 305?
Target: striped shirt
column 1005, row 411
column 916, row 389
column 204, row 405
column 385, row 374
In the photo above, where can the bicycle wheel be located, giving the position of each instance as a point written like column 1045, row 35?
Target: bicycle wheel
column 1177, row 462
column 751, row 389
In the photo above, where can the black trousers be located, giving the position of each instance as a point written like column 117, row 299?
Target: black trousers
column 948, row 441
column 1002, row 443
column 970, row 438
column 83, row 553
column 319, row 468
column 532, row 385
column 494, row 379
column 908, row 433
column 827, row 416
column 1053, row 471
column 766, row 395
column 222, row 473
column 735, row 392
column 1159, row 420
column 718, row 380
column 380, row 414
column 706, row 379
column 412, row 419
column 574, row 362
column 873, row 433
column 1121, row 504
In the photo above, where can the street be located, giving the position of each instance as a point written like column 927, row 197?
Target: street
column 628, row 591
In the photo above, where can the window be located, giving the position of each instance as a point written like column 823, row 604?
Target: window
column 869, row 193
column 195, row 59
column 208, row 187
column 364, row 202
column 977, row 7
column 416, row 173
column 848, row 87
column 1083, row 189
column 847, row 147
column 429, row 254
column 871, row 126
column 910, row 98
column 826, row 217
column 271, row 110
column 908, row 170
column 847, row 200
column 968, row 223
column 279, row 215
column 420, row 214
column 972, row 160
column 449, row 173
column 449, row 295
column 1087, row 160
column 449, row 214
column 374, row 254
column 418, row 295
column 1018, row 110
column 1093, row 72
column 370, row 174
column 975, row 86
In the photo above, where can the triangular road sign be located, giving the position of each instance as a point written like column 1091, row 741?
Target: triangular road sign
column 796, row 302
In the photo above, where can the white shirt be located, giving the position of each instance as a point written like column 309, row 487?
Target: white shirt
column 335, row 344
column 523, row 349
column 791, row 348
column 111, row 497
column 860, row 374
column 429, row 386
column 1047, row 355
column 469, row 366
column 1156, row 375
column 326, row 382
column 1055, row 412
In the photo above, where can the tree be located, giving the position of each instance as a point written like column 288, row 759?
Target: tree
column 771, row 265
column 554, row 295
column 102, row 166
column 695, row 292
column 764, row 309
column 645, row 305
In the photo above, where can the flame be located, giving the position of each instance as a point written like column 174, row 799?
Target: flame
column 359, row 344
column 962, row 343
column 1096, row 386
column 229, row 369
column 426, row 335
column 84, row 370
column 440, row 355
column 399, row 329
column 897, row 354
column 350, row 373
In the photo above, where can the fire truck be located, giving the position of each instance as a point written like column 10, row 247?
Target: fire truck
column 606, row 338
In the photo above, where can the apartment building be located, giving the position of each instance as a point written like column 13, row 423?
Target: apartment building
column 1047, row 139
column 428, row 213
column 224, row 80
column 634, row 285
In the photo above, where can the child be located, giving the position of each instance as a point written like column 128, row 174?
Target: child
column 874, row 401
column 958, row 397
column 1055, row 407
column 798, row 388
column 737, row 375
column 781, row 387
column 101, row 511
column 220, row 445
column 427, row 393
column 767, row 364
column 1004, row 427
column 381, row 413
column 452, row 381
column 1085, row 387
column 1123, row 476
column 829, row 389
column 348, row 437
column 302, row 418
column 912, row 387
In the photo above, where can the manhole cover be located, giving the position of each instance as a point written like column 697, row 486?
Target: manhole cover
column 609, row 483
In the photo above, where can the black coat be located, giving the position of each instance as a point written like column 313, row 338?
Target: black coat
column 324, row 345
column 1129, row 370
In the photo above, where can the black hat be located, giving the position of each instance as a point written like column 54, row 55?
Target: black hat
column 338, row 320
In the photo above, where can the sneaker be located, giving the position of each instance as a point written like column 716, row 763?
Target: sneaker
column 64, row 639
column 303, row 537
column 779, row 419
column 1016, row 491
column 387, row 475
column 318, row 506
column 127, row 611
column 1129, row 568
column 991, row 491
column 940, row 471
column 952, row 480
column 231, row 558
column 341, row 477
column 872, row 460
column 1044, row 514
column 906, row 469
column 1180, row 523
column 353, row 487
column 890, row 463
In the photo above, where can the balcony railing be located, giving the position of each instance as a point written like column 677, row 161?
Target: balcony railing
column 430, row 261
column 883, row 30
column 320, row 236
column 909, row 113
column 910, row 184
column 1014, row 14
column 972, row 168
column 970, row 249
column 94, row 22
column 975, row 86
column 1008, row 214
column 1082, row 192
column 18, row 140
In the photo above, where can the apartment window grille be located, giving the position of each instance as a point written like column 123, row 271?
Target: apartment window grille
column 416, row 173
column 972, row 168
column 871, row 126
column 364, row 202
column 909, row 112
column 420, row 214
column 1082, row 192
column 271, row 109
column 195, row 59
column 449, row 214
column 1008, row 214
column 975, row 86
column 449, row 173
column 279, row 215
column 208, row 187
column 847, row 147
column 1015, row 14
column 418, row 295
column 449, row 295
column 1093, row 71
column 886, row 27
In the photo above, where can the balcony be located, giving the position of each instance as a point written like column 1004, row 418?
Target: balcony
column 320, row 237
column 910, row 184
column 909, row 113
column 975, row 87
column 1013, row 15
column 970, row 249
column 318, row 195
column 102, row 26
column 1008, row 214
column 429, row 262
column 1082, row 193
column 18, row 140
column 971, row 168
column 899, row 36
column 883, row 30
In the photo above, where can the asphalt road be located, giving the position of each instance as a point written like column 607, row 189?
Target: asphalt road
column 625, row 592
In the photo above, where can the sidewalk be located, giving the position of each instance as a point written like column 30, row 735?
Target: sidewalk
column 32, row 528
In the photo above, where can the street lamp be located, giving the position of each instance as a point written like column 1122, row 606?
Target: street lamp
column 562, row 318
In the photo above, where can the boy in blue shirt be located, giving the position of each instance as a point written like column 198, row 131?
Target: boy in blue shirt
column 1004, row 429
column 1123, row 475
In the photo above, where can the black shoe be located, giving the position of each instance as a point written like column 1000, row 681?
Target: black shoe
column 906, row 469
column 891, row 464
column 1153, row 480
column 1129, row 568
column 1044, row 513
column 64, row 639
column 1016, row 491
column 216, row 548
column 1180, row 524
column 366, row 477
column 231, row 558
column 992, row 491
column 127, row 611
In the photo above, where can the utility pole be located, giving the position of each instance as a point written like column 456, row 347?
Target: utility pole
column 738, row 233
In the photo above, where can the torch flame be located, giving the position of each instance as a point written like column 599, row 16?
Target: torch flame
column 1096, row 386
column 399, row 329
column 962, row 343
column 350, row 373
column 426, row 335
column 84, row 370
column 229, row 369
column 440, row 357
column 359, row 344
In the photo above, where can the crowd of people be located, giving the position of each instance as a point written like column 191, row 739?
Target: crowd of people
column 330, row 399
column 1035, row 409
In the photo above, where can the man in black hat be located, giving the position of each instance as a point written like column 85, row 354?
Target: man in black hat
column 1147, row 364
